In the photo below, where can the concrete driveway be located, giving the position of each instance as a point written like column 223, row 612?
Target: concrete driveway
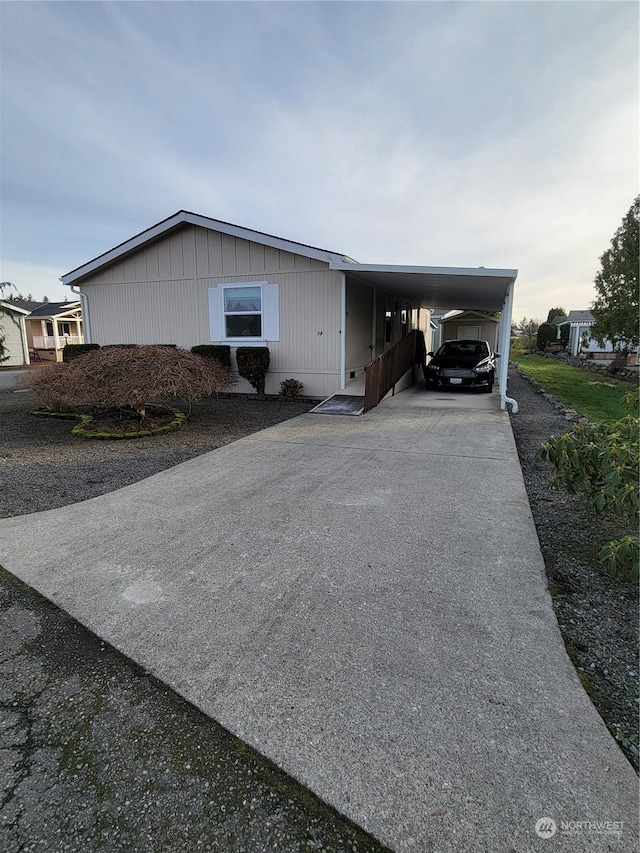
column 363, row 600
column 9, row 378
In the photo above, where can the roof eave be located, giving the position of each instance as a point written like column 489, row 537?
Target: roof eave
column 183, row 217
column 8, row 304
column 478, row 272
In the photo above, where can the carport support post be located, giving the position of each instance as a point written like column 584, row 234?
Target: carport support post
column 505, row 343
column 343, row 332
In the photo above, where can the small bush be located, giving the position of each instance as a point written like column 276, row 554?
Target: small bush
column 602, row 462
column 291, row 388
column 622, row 557
column 547, row 333
column 253, row 364
column 219, row 352
column 72, row 351
column 119, row 377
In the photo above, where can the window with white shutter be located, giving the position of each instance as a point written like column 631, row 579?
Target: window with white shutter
column 244, row 312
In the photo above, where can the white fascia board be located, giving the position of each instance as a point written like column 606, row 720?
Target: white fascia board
column 264, row 239
column 184, row 216
column 477, row 272
column 11, row 307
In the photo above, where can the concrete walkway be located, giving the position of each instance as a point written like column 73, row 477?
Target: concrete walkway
column 363, row 600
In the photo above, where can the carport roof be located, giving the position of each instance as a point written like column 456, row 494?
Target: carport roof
column 430, row 287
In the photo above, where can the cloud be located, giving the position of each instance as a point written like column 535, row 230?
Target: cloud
column 501, row 134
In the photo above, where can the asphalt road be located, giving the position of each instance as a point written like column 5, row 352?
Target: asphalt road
column 96, row 755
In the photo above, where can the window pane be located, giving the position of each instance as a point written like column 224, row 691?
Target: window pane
column 242, row 299
column 244, row 325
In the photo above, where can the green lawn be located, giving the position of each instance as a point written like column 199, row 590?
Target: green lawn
column 596, row 396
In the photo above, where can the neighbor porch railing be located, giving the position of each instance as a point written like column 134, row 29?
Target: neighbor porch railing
column 389, row 367
column 49, row 342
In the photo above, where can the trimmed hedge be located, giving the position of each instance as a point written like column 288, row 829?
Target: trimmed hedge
column 219, row 352
column 72, row 351
column 253, row 364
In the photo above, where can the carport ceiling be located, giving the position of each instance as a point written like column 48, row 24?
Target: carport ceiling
column 437, row 287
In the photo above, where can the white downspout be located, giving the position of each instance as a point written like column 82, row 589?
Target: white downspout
column 343, row 332
column 84, row 300
column 24, row 340
column 505, row 342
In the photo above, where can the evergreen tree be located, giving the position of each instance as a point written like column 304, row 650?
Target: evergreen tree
column 616, row 306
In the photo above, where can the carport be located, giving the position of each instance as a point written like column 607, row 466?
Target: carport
column 478, row 289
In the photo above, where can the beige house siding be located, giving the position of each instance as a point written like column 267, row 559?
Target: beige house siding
column 359, row 304
column 161, row 295
column 195, row 252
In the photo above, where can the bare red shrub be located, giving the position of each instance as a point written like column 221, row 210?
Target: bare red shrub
column 133, row 377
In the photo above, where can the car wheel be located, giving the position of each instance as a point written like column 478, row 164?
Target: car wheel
column 489, row 387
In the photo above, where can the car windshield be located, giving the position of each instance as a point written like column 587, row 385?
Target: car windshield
column 455, row 349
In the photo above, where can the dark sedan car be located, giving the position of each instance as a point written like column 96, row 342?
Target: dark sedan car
column 465, row 364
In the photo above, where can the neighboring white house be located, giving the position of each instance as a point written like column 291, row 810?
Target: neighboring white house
column 192, row 280
column 580, row 341
column 39, row 331
column 51, row 326
column 12, row 326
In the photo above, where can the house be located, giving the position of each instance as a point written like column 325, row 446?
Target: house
column 50, row 327
column 471, row 325
column 192, row 280
column 580, row 341
column 12, row 326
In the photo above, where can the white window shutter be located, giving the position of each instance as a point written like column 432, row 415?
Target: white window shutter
column 216, row 316
column 271, row 313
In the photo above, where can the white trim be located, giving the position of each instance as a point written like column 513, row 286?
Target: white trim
column 343, row 332
column 269, row 313
column 477, row 272
column 184, row 217
column 504, row 340
column 9, row 304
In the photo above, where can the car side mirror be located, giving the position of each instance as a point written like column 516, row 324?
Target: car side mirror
column 430, row 354
column 497, row 354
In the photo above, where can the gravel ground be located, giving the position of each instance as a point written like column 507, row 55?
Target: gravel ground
column 42, row 466
column 598, row 616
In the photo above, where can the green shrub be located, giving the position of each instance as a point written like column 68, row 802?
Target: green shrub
column 291, row 388
column 220, row 352
column 72, row 351
column 602, row 462
column 253, row 364
column 622, row 557
column 547, row 333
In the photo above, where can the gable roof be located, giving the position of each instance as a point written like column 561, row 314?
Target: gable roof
column 584, row 317
column 461, row 314
column 185, row 217
column 22, row 306
column 54, row 309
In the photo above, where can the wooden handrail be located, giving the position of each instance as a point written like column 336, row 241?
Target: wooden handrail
column 390, row 366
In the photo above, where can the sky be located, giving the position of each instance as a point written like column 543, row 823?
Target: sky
column 495, row 134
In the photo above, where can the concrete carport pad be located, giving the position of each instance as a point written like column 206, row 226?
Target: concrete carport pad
column 363, row 600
